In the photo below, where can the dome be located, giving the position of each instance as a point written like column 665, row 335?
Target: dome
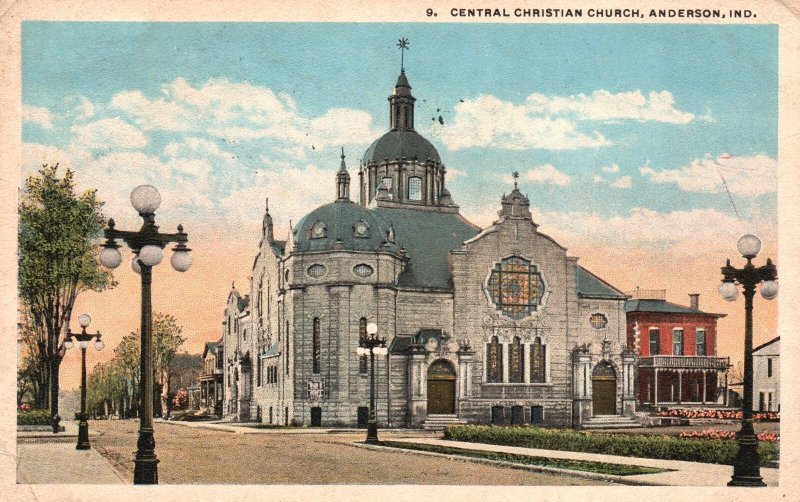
column 342, row 225
column 407, row 143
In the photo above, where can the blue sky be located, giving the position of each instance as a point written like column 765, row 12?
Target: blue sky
column 621, row 132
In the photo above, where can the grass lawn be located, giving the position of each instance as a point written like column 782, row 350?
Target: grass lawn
column 574, row 465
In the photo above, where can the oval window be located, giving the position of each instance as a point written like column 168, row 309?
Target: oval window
column 598, row 321
column 316, row 270
column 362, row 270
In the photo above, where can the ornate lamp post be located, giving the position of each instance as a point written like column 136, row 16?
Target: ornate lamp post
column 83, row 338
column 746, row 468
column 147, row 244
column 372, row 345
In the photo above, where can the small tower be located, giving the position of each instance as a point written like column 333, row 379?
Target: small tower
column 401, row 110
column 343, row 182
column 266, row 226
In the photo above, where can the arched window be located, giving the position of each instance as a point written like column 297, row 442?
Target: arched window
column 494, row 361
column 362, row 333
column 515, row 374
column 538, row 362
column 415, row 188
column 316, row 347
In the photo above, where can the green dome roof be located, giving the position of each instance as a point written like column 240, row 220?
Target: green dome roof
column 339, row 222
column 408, row 144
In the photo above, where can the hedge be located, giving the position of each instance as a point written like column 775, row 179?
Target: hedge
column 633, row 445
column 34, row 417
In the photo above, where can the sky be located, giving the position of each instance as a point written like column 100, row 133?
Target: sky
column 625, row 138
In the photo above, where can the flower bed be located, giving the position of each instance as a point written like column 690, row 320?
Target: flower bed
column 768, row 437
column 767, row 416
column 33, row 417
column 715, row 451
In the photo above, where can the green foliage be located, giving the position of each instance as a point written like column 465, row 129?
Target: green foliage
column 633, row 445
column 56, row 234
column 34, row 417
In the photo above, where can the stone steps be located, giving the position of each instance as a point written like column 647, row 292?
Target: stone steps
column 611, row 422
column 439, row 422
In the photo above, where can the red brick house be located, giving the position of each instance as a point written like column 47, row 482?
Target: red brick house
column 677, row 349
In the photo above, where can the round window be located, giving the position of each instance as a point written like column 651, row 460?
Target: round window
column 362, row 270
column 360, row 229
column 316, row 270
column 598, row 321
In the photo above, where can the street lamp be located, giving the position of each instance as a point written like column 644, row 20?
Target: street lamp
column 372, row 345
column 147, row 244
column 83, row 338
column 746, row 468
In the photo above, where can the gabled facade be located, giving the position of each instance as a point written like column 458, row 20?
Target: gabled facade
column 677, row 349
column 211, row 389
column 767, row 376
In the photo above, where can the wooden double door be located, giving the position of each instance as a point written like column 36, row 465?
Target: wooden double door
column 604, row 390
column 441, row 388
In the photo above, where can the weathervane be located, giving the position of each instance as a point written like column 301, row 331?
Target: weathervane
column 402, row 43
column 515, row 175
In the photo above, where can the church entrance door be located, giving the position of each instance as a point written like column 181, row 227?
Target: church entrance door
column 604, row 390
column 441, row 388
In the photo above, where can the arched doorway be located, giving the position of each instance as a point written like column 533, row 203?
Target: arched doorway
column 604, row 389
column 441, row 388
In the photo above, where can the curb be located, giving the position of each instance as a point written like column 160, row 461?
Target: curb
column 532, row 468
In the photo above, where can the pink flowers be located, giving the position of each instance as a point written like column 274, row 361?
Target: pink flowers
column 769, row 437
column 24, row 407
column 718, row 414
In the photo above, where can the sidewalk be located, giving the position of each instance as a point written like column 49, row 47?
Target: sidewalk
column 47, row 458
column 258, row 428
column 681, row 474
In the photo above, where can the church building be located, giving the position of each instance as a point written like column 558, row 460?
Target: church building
column 483, row 325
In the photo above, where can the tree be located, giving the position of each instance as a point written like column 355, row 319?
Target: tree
column 166, row 340
column 126, row 356
column 56, row 231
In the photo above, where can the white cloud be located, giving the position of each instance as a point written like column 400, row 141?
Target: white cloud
column 85, row 109
column 546, row 175
column 745, row 176
column 488, row 121
column 110, row 133
column 622, row 182
column 551, row 122
column 37, row 115
column 153, row 114
column 602, row 105
column 613, row 168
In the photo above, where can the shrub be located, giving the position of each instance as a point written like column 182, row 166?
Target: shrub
column 34, row 417
column 766, row 416
column 769, row 437
column 715, row 451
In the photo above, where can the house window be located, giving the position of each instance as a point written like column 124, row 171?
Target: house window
column 259, row 374
column 769, row 367
column 515, row 286
column 498, row 417
column 537, row 362
column 517, row 415
column 316, row 346
column 537, row 414
column 362, row 333
column 494, row 361
column 760, row 401
column 362, row 270
column 415, row 188
column 654, row 336
column 677, row 342
column 517, row 356
column 700, row 341
column 769, row 401
column 316, row 270
column 387, row 182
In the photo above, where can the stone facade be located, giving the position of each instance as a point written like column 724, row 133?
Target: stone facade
column 485, row 325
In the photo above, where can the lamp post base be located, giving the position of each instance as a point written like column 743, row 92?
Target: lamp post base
column 56, row 422
column 83, row 435
column 372, row 433
column 746, row 467
column 145, row 470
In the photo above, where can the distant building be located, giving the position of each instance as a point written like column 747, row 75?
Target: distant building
column 211, row 390
column 767, row 376
column 677, row 348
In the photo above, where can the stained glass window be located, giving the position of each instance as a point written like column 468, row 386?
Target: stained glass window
column 598, row 321
column 316, row 347
column 494, row 361
column 537, row 362
column 516, row 287
column 515, row 374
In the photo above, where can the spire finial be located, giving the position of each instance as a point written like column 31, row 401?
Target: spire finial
column 402, row 43
column 515, row 175
column 343, row 167
column 267, row 205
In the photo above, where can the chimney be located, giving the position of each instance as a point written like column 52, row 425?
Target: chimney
column 694, row 301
